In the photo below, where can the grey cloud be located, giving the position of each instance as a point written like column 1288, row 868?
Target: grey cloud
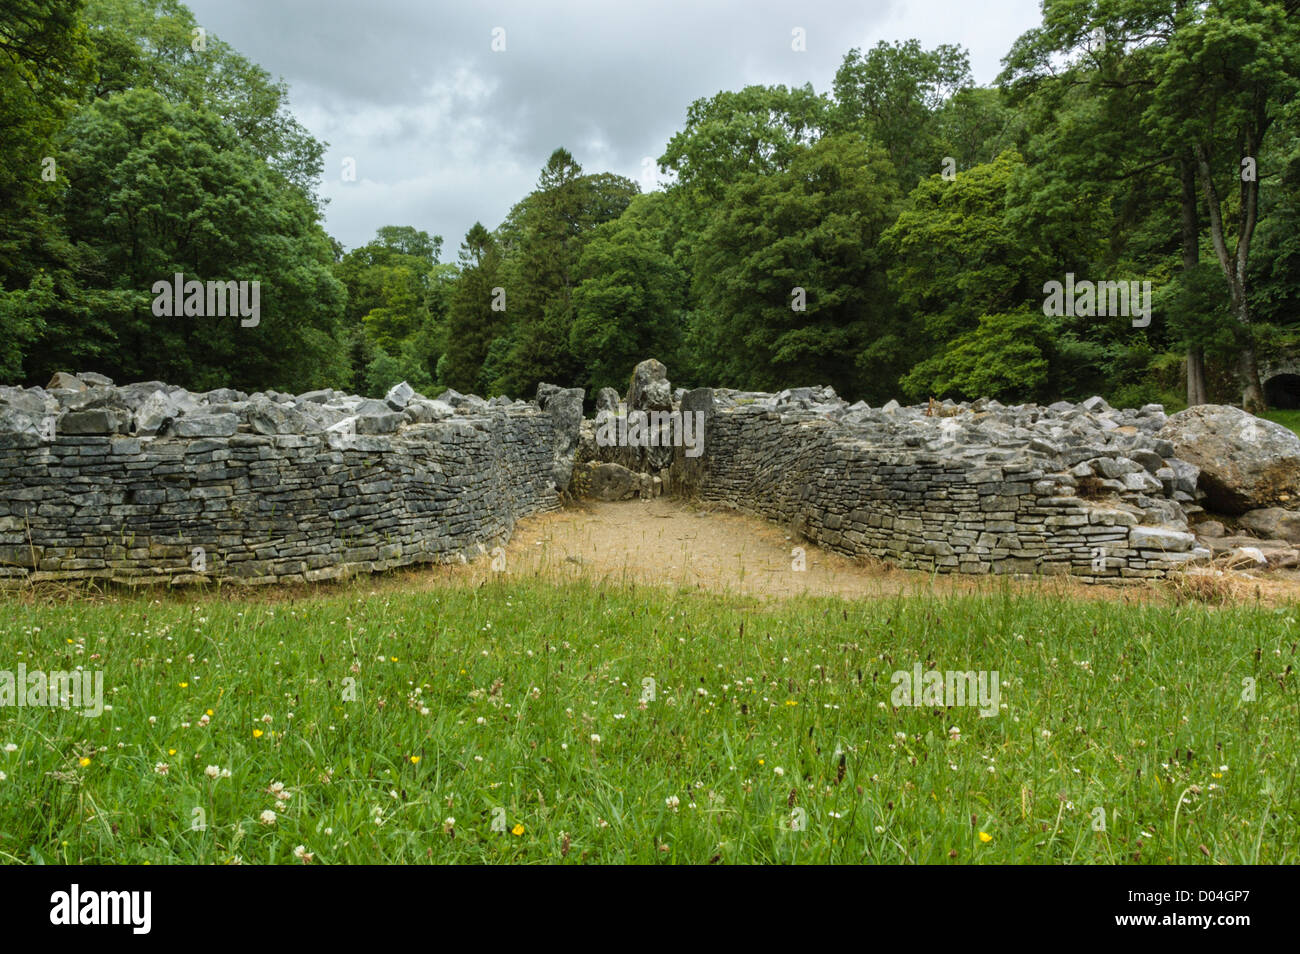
column 445, row 131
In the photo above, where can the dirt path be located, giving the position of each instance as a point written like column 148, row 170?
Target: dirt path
column 673, row 543
column 668, row 542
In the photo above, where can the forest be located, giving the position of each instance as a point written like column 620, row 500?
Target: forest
column 903, row 234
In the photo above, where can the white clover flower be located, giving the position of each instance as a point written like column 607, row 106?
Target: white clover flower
column 267, row 817
column 594, row 737
column 212, row 771
column 672, row 802
column 778, row 771
column 10, row 747
column 161, row 768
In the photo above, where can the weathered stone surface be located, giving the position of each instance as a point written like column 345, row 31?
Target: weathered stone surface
column 612, row 482
column 607, row 400
column 65, row 380
column 1209, row 529
column 1157, row 538
column 102, row 420
column 1245, row 462
column 422, row 411
column 399, row 395
column 1273, row 522
column 160, row 409
column 385, row 423
column 266, row 416
column 564, row 406
column 205, row 425
column 649, row 389
column 261, row 485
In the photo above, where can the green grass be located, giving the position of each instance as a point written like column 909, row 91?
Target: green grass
column 1289, row 419
column 482, row 704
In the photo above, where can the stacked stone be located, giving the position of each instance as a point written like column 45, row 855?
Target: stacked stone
column 1072, row 489
column 338, row 486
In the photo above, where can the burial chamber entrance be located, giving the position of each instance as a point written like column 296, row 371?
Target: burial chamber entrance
column 1282, row 391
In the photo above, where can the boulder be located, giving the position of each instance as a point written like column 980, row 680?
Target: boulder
column 1245, row 462
column 266, row 416
column 221, row 396
column 26, row 412
column 399, row 395
column 424, row 411
column 650, row 390
column 607, row 400
column 386, row 422
column 564, row 405
column 66, row 381
column 1274, row 523
column 160, row 409
column 320, row 416
column 612, row 482
column 99, row 420
column 17, row 420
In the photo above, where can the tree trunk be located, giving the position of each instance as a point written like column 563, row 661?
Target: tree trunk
column 1252, row 390
column 1191, row 228
column 1233, row 264
column 1196, row 377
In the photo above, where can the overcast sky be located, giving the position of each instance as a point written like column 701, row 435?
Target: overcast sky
column 445, row 131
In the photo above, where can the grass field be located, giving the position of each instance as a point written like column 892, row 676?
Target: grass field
column 522, row 711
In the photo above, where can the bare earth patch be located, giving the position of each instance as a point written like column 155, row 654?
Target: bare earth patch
column 669, row 542
column 666, row 542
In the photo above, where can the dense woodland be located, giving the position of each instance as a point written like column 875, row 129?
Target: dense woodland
column 890, row 236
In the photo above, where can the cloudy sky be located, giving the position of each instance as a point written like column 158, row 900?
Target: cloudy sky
column 445, row 131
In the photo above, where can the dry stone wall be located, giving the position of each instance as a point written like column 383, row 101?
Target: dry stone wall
column 148, row 482
column 940, row 509
column 223, row 489
column 1080, row 489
